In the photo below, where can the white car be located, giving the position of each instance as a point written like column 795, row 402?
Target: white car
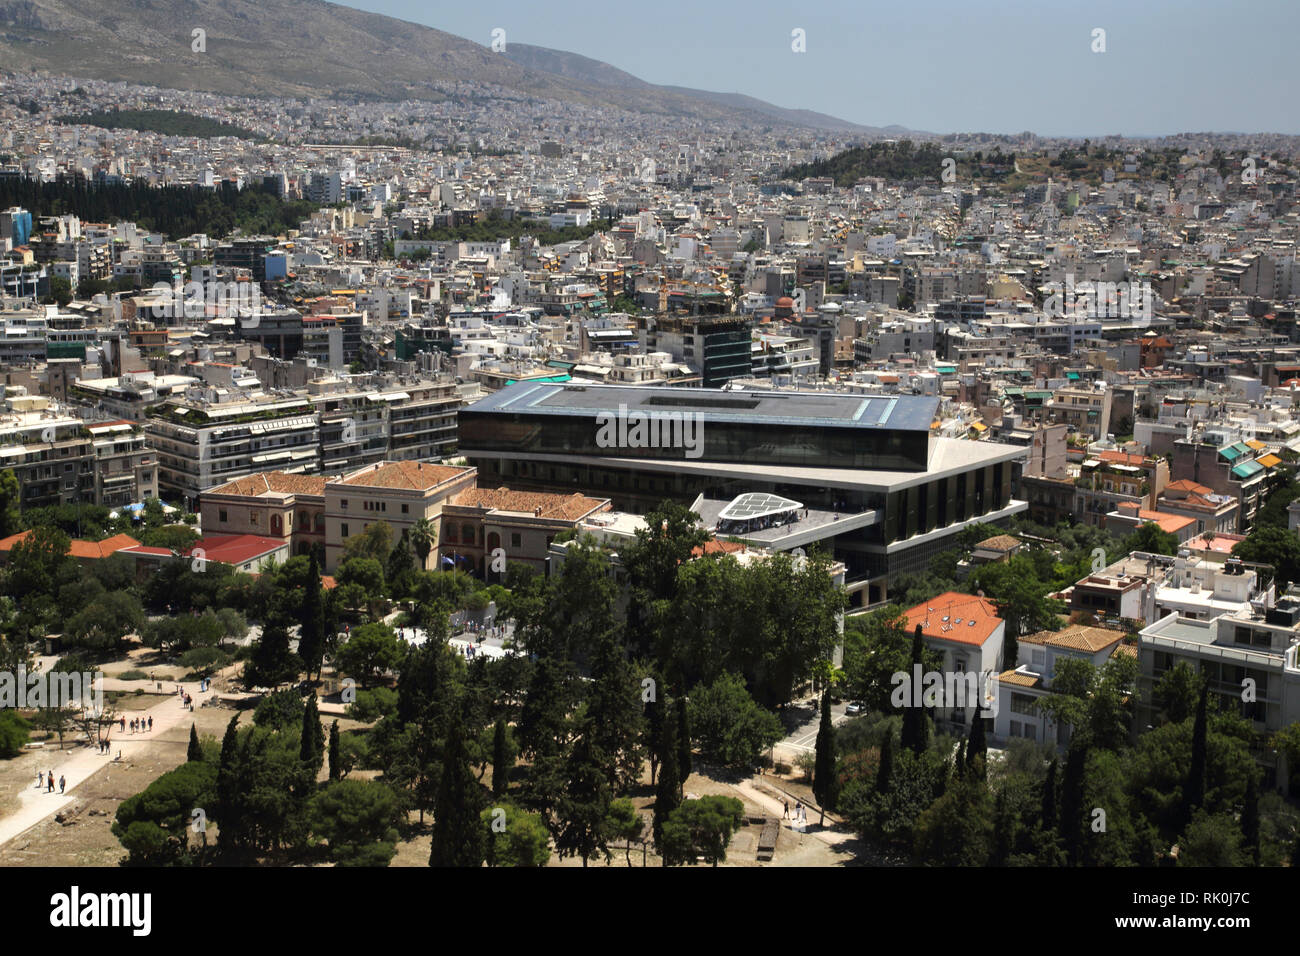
column 855, row 707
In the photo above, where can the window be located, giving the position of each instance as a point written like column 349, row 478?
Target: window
column 1022, row 704
column 252, row 516
column 516, row 540
column 221, row 516
column 345, row 530
column 344, row 504
column 405, row 509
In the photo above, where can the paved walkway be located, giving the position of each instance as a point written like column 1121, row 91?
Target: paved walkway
column 80, row 762
column 829, row 836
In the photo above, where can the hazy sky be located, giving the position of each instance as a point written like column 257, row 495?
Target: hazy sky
column 936, row 65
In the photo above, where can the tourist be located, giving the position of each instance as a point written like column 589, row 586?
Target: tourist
column 151, row 723
column 62, row 781
column 40, row 779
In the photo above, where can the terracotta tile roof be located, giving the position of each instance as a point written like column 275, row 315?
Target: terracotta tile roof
column 1186, row 484
column 1078, row 637
column 1020, row 680
column 999, row 542
column 1167, row 522
column 102, row 549
column 714, row 546
column 960, row 610
column 1121, row 458
column 404, row 475
column 85, row 550
column 1126, row 650
column 274, row 482
column 563, row 507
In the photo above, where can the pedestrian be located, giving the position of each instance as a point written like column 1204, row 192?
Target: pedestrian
column 122, row 721
column 62, row 782
column 785, row 809
column 150, row 723
column 49, row 782
column 40, row 779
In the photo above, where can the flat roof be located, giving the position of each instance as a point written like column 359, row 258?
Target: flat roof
column 895, row 412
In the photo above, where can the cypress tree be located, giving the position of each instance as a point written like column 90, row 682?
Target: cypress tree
column 654, row 728
column 978, row 747
column 228, row 788
column 1194, row 789
column 500, row 758
column 668, row 789
column 194, row 751
column 336, row 770
column 1072, row 787
column 311, row 749
column 683, row 743
column 825, row 783
column 916, row 731
column 1005, row 826
column 311, row 633
column 457, row 831
column 1250, row 818
column 1048, row 812
column 959, row 762
column 885, row 772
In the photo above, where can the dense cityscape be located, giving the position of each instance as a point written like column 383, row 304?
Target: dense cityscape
column 516, row 479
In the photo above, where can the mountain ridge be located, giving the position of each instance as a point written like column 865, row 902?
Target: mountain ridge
column 304, row 48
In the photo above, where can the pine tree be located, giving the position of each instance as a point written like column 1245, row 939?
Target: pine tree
column 668, row 789
column 684, row 765
column 272, row 662
column 615, row 711
column 336, row 770
column 916, row 731
column 583, row 807
column 826, row 784
column 885, row 772
column 195, row 750
column 311, row 633
column 457, row 832
column 501, row 758
column 1250, row 818
column 1194, row 789
column 311, row 749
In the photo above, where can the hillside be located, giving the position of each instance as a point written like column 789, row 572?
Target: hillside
column 312, row 48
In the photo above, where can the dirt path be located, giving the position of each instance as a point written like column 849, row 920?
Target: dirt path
column 77, row 765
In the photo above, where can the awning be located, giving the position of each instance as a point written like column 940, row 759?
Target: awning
column 1247, row 469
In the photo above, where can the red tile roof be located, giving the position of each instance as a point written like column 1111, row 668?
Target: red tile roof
column 235, row 548
column 959, row 609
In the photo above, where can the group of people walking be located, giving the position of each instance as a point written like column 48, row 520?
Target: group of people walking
column 46, row 780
